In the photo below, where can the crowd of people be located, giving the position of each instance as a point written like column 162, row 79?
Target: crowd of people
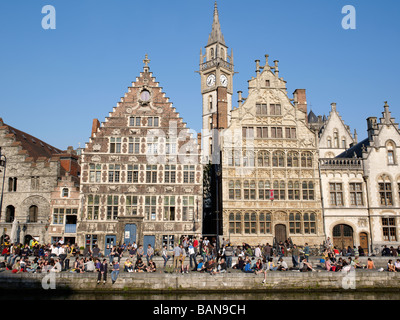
column 188, row 255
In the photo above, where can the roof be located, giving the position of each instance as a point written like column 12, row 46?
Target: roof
column 35, row 147
column 355, row 150
column 312, row 118
column 216, row 33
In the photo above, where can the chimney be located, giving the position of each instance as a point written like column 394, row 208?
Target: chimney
column 95, row 126
column 300, row 100
column 372, row 126
column 240, row 100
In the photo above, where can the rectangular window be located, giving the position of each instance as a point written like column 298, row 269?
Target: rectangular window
column 114, row 173
column 115, row 145
column 93, row 207
column 170, row 174
column 276, row 132
column 35, row 183
column 390, row 157
column 261, row 109
column 134, row 145
column 169, row 241
column 134, row 121
column 170, row 146
column 188, row 174
column 152, row 145
column 131, row 205
column 112, row 207
column 152, row 121
column 290, row 133
column 150, row 207
column 389, row 229
column 262, row 132
column 151, row 174
column 58, row 216
column 95, row 173
column 132, row 173
column 385, row 194
column 247, row 132
column 356, row 194
column 336, row 194
column 188, row 208
column 275, row 109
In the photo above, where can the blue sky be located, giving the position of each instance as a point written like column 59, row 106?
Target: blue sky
column 53, row 83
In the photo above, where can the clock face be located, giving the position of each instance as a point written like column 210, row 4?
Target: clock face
column 224, row 80
column 211, row 80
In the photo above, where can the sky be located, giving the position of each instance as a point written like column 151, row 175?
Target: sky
column 54, row 82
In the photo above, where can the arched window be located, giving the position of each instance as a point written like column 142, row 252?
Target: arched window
column 231, row 190
column 292, row 159
column 235, row 223
column 10, row 214
column 279, row 190
column 263, row 159
column 212, row 53
column 335, row 139
column 309, row 223
column 246, row 223
column 33, row 214
column 12, row 184
column 306, row 160
column 210, row 103
column 295, row 223
column 308, row 190
column 293, row 190
column 265, row 223
column 278, row 159
column 390, row 153
column 264, row 190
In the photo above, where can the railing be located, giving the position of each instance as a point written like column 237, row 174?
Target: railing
column 70, row 228
column 216, row 62
column 340, row 163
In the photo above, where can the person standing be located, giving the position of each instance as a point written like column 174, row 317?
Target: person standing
column 295, row 256
column 115, row 272
column 149, row 253
column 228, row 255
column 267, row 252
column 165, row 255
column 102, row 272
column 306, row 252
column 192, row 256
column 177, row 252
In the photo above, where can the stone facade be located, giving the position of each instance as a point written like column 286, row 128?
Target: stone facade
column 31, row 173
column 141, row 173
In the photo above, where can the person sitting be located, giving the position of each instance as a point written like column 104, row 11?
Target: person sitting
column 385, row 252
column 152, row 266
column 306, row 266
column 247, row 268
column 282, row 265
column 139, row 266
column 258, row 266
column 210, row 265
column 200, row 266
column 358, row 264
column 128, row 266
column 370, row 264
column 391, row 267
column 89, row 265
column 240, row 264
column 328, row 265
column 397, row 265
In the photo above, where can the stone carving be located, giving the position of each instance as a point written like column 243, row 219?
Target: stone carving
column 168, row 227
column 96, row 158
column 116, row 132
column 94, row 189
column 113, row 188
column 114, row 158
column 132, row 189
column 96, row 147
column 133, row 159
column 151, row 189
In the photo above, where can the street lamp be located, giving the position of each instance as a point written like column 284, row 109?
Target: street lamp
column 3, row 161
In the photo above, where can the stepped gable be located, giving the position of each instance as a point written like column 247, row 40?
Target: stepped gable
column 33, row 147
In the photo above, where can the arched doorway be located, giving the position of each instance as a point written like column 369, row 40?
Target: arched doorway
column 27, row 239
column 280, row 233
column 342, row 236
column 10, row 214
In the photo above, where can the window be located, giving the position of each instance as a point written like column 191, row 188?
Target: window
column 35, row 183
column 238, row 190
column 131, row 205
column 292, row 159
column 247, row 132
column 237, row 156
column 329, row 142
column 290, row 133
column 134, row 121
column 279, row 190
column 115, row 145
column 390, row 157
column 152, row 121
column 263, row 159
column 170, row 174
column 295, row 223
column 210, row 103
column 390, row 153
column 293, row 190
column 188, row 174
column 344, row 143
column 58, row 216
column 150, row 207
column 169, row 208
column 168, row 240
column 170, row 145
column 134, row 145
column 33, row 214
column 12, row 184
column 112, row 207
column 261, row 109
column 262, row 132
column 114, row 173
column 93, row 207
column 389, row 229
column 275, row 109
column 90, row 240
column 249, row 190
column 336, row 194
column 308, row 190
column 264, row 190
column 265, row 223
column 335, row 139
column 95, row 173
column 235, row 223
column 132, row 173
column 278, row 159
column 306, row 160
column 356, row 194
column 276, row 132
column 248, row 159
column 385, row 193
column 152, row 145
column 231, row 189
column 10, row 214
column 188, row 208
column 151, row 173
column 267, row 83
column 247, row 223
column 65, row 193
column 309, row 223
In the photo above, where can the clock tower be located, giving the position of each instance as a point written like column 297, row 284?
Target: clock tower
column 216, row 71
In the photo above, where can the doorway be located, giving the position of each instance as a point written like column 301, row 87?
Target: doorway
column 343, row 236
column 364, row 242
column 280, row 233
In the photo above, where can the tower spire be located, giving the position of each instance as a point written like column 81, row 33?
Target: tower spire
column 216, row 34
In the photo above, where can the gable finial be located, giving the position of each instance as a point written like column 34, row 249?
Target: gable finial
column 146, row 62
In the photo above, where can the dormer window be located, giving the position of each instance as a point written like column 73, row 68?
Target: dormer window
column 390, row 153
column 65, row 192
